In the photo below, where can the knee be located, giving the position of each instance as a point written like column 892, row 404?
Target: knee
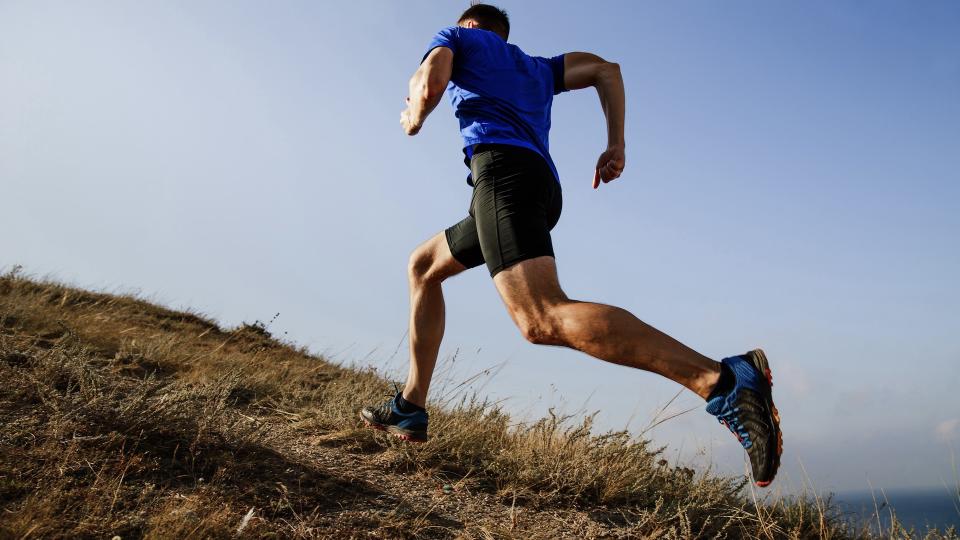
column 421, row 267
column 540, row 329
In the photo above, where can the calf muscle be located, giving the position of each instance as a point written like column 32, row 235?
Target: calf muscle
column 430, row 264
column 531, row 292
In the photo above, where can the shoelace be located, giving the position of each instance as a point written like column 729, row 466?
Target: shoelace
column 732, row 422
column 385, row 409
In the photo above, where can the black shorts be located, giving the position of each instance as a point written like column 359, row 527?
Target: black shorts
column 516, row 203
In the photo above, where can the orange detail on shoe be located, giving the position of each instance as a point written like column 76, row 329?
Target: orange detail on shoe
column 407, row 438
column 776, row 419
column 374, row 426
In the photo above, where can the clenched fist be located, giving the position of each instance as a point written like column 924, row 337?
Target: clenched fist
column 609, row 166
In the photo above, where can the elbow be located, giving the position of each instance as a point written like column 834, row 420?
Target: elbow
column 608, row 71
column 431, row 90
column 434, row 88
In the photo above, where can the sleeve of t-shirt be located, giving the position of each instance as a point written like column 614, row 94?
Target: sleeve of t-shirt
column 448, row 37
column 556, row 66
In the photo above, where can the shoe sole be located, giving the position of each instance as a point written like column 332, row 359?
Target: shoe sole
column 759, row 360
column 400, row 433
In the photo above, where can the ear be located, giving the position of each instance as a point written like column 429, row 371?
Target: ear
column 469, row 23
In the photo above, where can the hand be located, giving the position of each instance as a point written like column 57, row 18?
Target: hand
column 406, row 122
column 609, row 166
column 410, row 127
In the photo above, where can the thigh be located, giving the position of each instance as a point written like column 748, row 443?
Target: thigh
column 515, row 205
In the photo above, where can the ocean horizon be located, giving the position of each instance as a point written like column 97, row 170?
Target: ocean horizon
column 914, row 508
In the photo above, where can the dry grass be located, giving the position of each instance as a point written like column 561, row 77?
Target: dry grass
column 124, row 418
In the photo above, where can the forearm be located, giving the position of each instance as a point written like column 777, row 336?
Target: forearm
column 613, row 101
column 424, row 97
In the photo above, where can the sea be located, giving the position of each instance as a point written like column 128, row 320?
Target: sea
column 916, row 508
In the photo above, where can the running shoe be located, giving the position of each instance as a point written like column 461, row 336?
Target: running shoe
column 748, row 411
column 388, row 417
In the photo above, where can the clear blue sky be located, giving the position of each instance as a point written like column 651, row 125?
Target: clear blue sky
column 791, row 183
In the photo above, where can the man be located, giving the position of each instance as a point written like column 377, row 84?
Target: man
column 503, row 98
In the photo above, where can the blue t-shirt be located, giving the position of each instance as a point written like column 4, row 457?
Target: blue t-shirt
column 499, row 93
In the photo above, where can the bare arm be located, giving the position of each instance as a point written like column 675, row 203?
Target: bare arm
column 583, row 70
column 426, row 88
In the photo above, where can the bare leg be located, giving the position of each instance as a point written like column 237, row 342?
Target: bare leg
column 430, row 264
column 532, row 294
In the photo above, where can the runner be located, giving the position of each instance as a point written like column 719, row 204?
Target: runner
column 502, row 98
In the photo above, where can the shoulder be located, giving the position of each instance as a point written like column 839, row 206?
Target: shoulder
column 553, row 67
column 448, row 34
column 449, row 31
column 458, row 36
column 553, row 62
column 448, row 37
column 469, row 41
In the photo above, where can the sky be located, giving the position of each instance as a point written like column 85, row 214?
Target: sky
column 791, row 183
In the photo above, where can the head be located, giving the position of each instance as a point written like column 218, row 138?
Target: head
column 486, row 17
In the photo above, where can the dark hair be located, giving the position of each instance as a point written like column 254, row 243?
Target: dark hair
column 489, row 18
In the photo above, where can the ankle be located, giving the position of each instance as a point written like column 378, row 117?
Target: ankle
column 407, row 406
column 723, row 382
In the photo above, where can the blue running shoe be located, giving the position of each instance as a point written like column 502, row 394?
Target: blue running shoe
column 388, row 417
column 748, row 411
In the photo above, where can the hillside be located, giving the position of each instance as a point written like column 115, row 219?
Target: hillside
column 125, row 418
